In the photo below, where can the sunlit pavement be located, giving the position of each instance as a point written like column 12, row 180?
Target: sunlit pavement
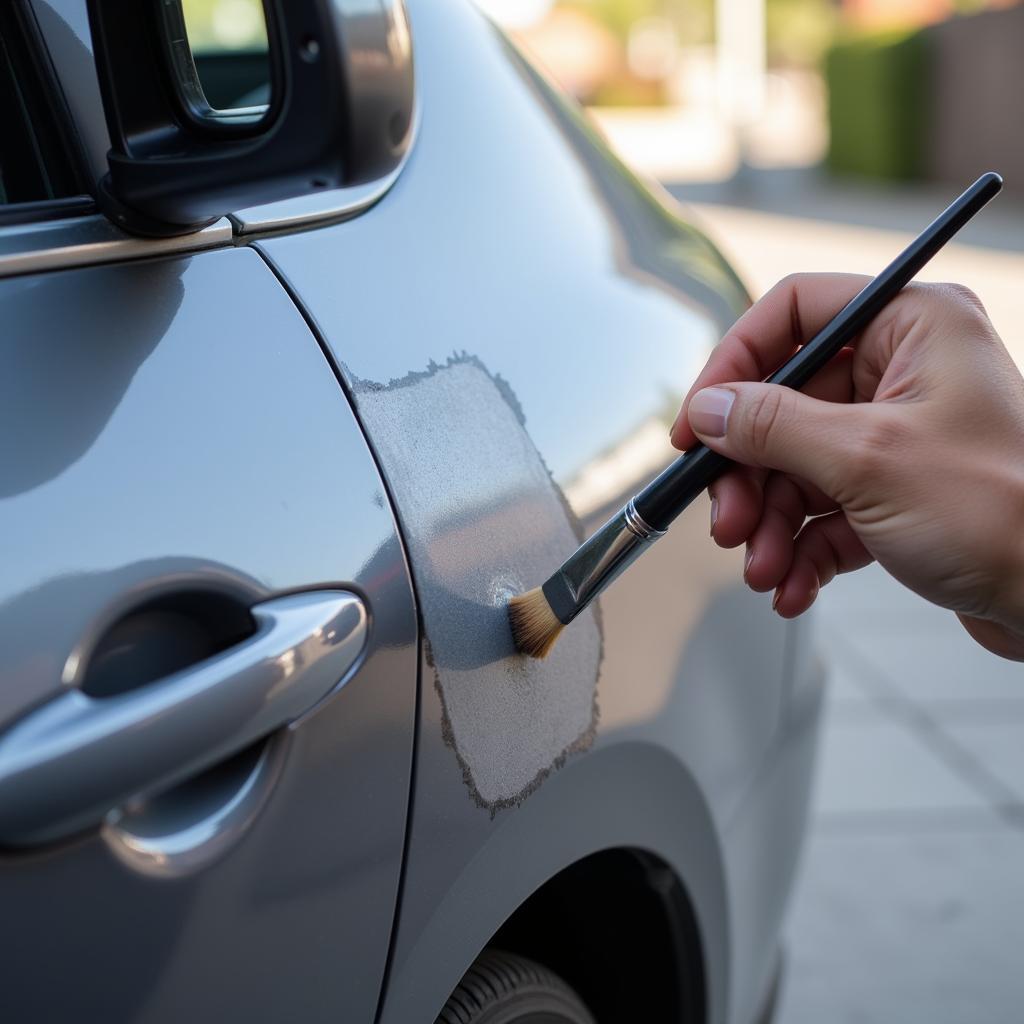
column 910, row 901
column 771, row 223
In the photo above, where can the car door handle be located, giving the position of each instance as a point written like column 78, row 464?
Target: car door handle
column 65, row 765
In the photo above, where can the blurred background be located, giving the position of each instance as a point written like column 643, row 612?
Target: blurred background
column 824, row 134
column 890, row 89
column 853, row 121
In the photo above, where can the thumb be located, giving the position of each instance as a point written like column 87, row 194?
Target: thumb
column 777, row 428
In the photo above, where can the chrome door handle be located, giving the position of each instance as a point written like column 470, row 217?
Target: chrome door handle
column 69, row 762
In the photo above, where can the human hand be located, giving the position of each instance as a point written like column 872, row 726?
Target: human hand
column 907, row 448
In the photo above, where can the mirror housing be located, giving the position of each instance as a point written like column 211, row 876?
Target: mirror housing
column 342, row 97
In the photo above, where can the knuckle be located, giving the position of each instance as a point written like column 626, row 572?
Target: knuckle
column 963, row 296
column 787, row 288
column 948, row 304
column 961, row 301
column 762, row 421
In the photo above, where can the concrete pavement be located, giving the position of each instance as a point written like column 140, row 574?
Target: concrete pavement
column 910, row 903
column 771, row 223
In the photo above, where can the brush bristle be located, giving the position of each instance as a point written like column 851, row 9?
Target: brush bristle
column 535, row 627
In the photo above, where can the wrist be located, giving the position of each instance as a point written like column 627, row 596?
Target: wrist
column 1010, row 612
column 995, row 637
column 1004, row 553
column 1001, row 631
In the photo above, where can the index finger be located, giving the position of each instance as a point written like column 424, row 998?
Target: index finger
column 787, row 316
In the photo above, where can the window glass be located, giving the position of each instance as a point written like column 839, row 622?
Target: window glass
column 22, row 177
column 33, row 166
column 229, row 45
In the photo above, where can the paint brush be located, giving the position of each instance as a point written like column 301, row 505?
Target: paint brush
column 538, row 616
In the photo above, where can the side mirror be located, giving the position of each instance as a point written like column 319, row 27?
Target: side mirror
column 338, row 110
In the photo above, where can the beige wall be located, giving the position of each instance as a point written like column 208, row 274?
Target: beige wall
column 977, row 111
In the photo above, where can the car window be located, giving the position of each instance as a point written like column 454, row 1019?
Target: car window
column 34, row 164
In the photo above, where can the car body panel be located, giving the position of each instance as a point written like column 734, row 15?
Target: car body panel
column 514, row 322
column 173, row 426
column 519, row 301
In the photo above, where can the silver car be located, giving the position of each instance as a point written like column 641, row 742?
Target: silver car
column 313, row 356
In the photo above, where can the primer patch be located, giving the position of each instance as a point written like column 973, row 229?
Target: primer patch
column 483, row 521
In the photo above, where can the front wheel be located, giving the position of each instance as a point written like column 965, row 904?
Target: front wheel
column 503, row 988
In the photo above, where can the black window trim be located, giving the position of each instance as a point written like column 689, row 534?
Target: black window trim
column 63, row 145
column 47, row 209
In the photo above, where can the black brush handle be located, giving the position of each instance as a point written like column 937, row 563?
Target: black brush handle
column 669, row 493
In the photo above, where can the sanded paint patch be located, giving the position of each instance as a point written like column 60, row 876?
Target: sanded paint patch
column 483, row 520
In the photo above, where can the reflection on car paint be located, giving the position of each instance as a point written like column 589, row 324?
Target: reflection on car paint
column 61, row 385
column 172, row 425
column 514, row 234
column 483, row 520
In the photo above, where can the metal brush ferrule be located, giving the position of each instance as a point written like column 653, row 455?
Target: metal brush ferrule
column 597, row 562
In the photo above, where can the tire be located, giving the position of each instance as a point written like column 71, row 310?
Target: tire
column 503, row 988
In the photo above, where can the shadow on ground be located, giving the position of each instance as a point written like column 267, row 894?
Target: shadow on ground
column 810, row 193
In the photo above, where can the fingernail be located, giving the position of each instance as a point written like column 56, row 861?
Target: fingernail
column 709, row 411
column 714, row 515
column 775, row 599
column 747, row 560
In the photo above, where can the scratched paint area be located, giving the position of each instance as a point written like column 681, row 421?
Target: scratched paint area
column 483, row 520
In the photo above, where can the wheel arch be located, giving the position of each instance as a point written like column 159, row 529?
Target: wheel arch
column 621, row 810
column 620, row 928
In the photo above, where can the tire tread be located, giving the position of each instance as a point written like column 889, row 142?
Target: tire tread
column 494, row 977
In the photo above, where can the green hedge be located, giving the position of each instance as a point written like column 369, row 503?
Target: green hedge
column 878, row 104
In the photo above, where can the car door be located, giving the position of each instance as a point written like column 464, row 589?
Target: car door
column 207, row 632
column 517, row 320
